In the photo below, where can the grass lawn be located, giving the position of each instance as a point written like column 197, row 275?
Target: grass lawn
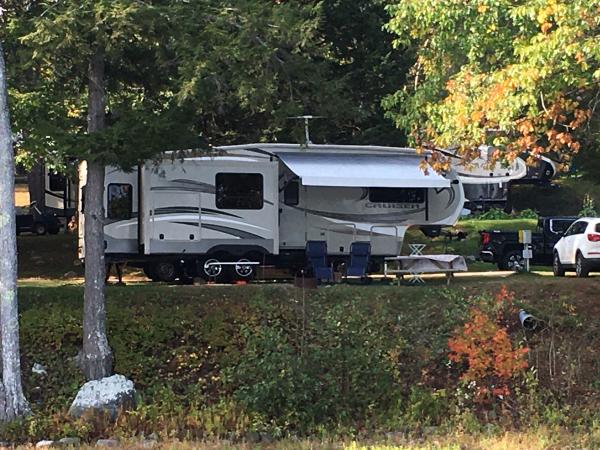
column 48, row 256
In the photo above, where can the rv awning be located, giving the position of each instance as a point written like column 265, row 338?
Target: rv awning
column 330, row 169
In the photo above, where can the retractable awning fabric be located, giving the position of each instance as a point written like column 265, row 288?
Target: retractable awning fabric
column 340, row 170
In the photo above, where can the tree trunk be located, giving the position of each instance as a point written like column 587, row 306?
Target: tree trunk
column 36, row 181
column 12, row 400
column 97, row 357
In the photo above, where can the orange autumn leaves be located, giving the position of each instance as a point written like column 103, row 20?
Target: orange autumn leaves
column 484, row 347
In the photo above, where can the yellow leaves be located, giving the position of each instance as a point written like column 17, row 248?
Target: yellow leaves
column 481, row 9
column 73, row 112
column 477, row 116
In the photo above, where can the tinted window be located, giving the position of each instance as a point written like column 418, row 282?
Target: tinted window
column 576, row 228
column 239, row 190
column 120, row 201
column 57, row 182
column 559, row 226
column 598, row 228
column 291, row 193
column 397, row 195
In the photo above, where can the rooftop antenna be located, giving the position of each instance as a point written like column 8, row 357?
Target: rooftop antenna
column 306, row 119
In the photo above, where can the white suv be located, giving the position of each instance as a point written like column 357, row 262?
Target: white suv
column 579, row 248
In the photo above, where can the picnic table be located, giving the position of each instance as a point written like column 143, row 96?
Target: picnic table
column 417, row 265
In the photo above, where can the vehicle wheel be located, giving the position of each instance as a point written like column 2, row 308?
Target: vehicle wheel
column 513, row 260
column 39, row 229
column 557, row 267
column 166, row 271
column 244, row 271
column 211, row 270
column 582, row 269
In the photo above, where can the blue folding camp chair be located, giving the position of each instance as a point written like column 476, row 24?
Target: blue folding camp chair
column 316, row 257
column 359, row 259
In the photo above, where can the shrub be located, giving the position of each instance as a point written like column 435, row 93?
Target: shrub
column 499, row 214
column 335, row 370
column 484, row 346
column 588, row 209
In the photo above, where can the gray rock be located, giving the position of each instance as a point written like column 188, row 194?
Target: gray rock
column 110, row 395
column 70, row 442
column 107, row 443
column 71, row 274
column 45, row 444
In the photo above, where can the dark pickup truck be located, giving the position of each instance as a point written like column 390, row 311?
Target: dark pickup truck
column 33, row 220
column 503, row 247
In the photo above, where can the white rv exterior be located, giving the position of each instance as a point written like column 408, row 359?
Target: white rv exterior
column 265, row 201
column 488, row 185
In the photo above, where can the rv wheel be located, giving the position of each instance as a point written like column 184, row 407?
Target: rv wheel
column 165, row 271
column 244, row 270
column 211, row 269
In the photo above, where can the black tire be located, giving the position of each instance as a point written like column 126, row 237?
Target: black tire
column 166, row 271
column 214, row 271
column 39, row 228
column 557, row 267
column 243, row 271
column 513, row 260
column 582, row 268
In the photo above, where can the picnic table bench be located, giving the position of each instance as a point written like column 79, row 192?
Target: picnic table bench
column 417, row 265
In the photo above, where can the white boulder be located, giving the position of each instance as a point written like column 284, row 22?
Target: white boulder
column 109, row 395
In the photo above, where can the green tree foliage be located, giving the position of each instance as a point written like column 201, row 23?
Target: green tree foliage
column 520, row 75
column 228, row 72
column 51, row 44
column 363, row 59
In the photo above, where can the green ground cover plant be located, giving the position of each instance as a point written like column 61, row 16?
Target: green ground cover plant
column 346, row 362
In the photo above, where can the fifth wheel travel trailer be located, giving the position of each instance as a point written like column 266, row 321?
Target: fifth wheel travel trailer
column 488, row 186
column 53, row 192
column 186, row 214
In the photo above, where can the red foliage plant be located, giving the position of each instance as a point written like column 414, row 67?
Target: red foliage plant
column 483, row 343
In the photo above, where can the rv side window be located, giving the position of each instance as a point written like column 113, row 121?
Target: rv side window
column 56, row 182
column 239, row 190
column 291, row 193
column 397, row 195
column 120, row 201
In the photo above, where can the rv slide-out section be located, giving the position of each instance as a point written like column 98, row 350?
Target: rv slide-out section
column 181, row 217
column 207, row 205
